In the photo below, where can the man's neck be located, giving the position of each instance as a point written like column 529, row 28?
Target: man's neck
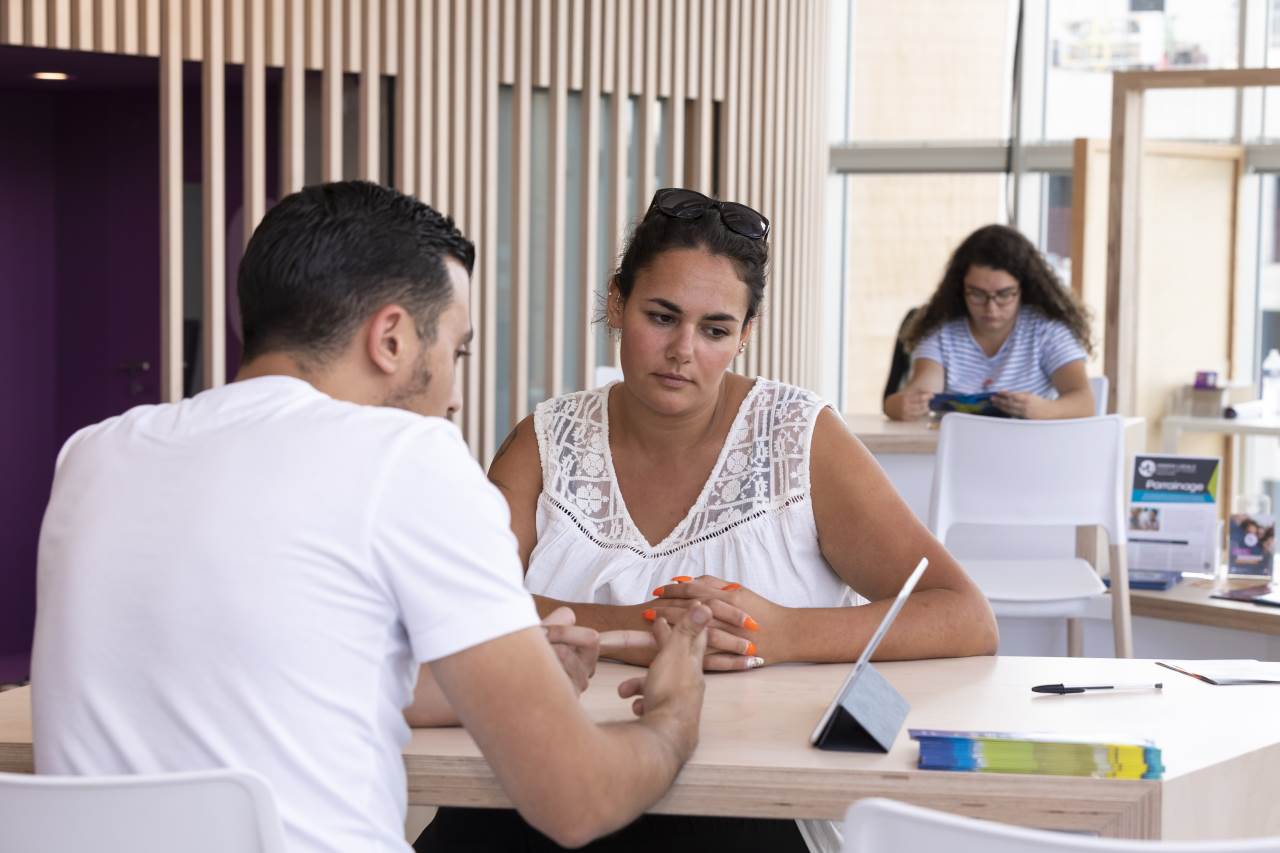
column 328, row 380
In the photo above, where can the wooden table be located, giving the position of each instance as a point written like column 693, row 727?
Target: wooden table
column 1221, row 747
column 1189, row 601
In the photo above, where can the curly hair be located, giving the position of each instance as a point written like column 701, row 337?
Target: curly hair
column 1003, row 248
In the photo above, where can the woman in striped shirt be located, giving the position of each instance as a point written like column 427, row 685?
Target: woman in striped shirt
column 1000, row 321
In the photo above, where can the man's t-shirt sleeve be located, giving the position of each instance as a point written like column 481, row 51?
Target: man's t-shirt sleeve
column 444, row 547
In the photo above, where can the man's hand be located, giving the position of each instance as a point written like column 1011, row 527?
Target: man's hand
column 577, row 648
column 670, row 694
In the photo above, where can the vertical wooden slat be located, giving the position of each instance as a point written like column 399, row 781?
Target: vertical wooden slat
column 233, row 35
column 151, row 27
column 489, row 240
column 391, row 40
column 721, row 30
column 648, row 108
column 331, row 84
column 475, row 215
column 676, row 103
column 729, row 110
column 11, row 29
column 558, row 44
column 293, row 103
column 193, row 39
column 637, row 48
column 426, row 100
column 542, row 43
column 755, row 163
column 769, row 129
column 353, row 33
column 407, row 100
column 171, row 203
column 577, row 48
column 609, row 37
column 275, row 33
column 619, row 212
column 666, row 11
column 105, row 26
column 60, row 23
column 521, row 183
column 589, row 199
column 316, row 13
column 82, row 32
column 507, row 31
column 693, row 48
column 36, row 23
column 213, row 335
column 442, row 109
column 458, row 116
column 371, row 94
column 255, row 114
column 786, row 198
column 704, row 156
column 127, row 31
column 797, row 103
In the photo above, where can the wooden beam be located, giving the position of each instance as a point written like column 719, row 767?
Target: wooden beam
column 255, row 115
column 558, row 44
column 371, row 93
column 331, row 78
column 213, row 326
column 521, row 183
column 293, row 105
column 589, row 199
column 407, row 100
column 1120, row 356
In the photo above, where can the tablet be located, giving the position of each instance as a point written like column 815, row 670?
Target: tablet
column 865, row 658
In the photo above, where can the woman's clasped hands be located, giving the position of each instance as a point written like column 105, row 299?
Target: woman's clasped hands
column 746, row 629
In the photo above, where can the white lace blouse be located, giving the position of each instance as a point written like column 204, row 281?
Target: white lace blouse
column 753, row 522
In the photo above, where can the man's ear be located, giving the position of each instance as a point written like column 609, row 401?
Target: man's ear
column 613, row 305
column 387, row 338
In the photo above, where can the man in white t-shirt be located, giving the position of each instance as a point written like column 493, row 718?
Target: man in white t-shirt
column 255, row 577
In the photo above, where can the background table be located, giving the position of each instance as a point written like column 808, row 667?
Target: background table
column 1221, row 747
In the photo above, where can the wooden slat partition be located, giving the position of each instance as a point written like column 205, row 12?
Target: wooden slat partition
column 730, row 90
column 213, row 187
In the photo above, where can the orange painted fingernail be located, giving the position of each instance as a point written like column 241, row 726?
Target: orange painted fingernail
column 751, row 648
column 650, row 615
column 682, row 579
column 730, row 586
column 658, row 592
column 750, row 624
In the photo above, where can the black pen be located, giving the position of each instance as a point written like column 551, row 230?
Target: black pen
column 1065, row 688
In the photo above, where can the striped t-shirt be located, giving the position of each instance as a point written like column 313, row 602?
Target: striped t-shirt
column 1034, row 350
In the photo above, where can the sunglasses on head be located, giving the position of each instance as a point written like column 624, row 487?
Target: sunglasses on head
column 687, row 204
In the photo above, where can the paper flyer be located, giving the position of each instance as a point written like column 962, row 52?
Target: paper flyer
column 1173, row 513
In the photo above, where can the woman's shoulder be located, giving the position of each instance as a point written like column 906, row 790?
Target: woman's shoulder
column 788, row 403
column 572, row 403
column 1041, row 324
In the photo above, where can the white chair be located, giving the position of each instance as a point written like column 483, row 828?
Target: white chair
column 209, row 811
column 1006, row 472
column 1100, row 386
column 885, row 826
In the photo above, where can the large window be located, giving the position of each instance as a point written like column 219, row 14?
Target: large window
column 934, row 134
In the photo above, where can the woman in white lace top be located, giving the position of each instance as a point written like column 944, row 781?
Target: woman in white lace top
column 687, row 482
column 752, row 492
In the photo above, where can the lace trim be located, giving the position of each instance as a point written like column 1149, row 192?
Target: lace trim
column 666, row 552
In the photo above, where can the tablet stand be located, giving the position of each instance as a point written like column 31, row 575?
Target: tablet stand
column 868, row 717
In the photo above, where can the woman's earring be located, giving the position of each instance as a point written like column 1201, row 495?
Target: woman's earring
column 742, row 347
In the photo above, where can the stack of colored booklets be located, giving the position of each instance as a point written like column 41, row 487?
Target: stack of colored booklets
column 1104, row 757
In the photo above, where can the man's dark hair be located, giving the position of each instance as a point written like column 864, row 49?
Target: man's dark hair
column 327, row 257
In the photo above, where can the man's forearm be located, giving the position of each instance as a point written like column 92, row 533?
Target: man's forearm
column 429, row 708
column 603, row 617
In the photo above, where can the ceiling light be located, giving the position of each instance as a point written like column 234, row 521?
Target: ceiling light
column 51, row 75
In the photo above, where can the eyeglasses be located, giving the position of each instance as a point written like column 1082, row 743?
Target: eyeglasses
column 980, row 298
column 680, row 203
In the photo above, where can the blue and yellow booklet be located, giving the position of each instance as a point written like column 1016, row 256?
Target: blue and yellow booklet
column 1100, row 756
column 969, row 404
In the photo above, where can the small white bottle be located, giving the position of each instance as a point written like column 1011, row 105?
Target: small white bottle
column 1271, row 384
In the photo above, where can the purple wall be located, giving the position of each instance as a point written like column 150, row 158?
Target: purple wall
column 28, row 372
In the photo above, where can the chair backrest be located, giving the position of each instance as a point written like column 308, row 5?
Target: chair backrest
column 606, row 373
column 1100, row 386
column 209, row 811
column 1014, row 472
column 877, row 826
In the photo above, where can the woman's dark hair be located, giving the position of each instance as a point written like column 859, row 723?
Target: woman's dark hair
column 657, row 233
column 1002, row 248
column 328, row 256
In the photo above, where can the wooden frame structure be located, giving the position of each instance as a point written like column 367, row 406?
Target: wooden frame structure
column 1128, row 88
